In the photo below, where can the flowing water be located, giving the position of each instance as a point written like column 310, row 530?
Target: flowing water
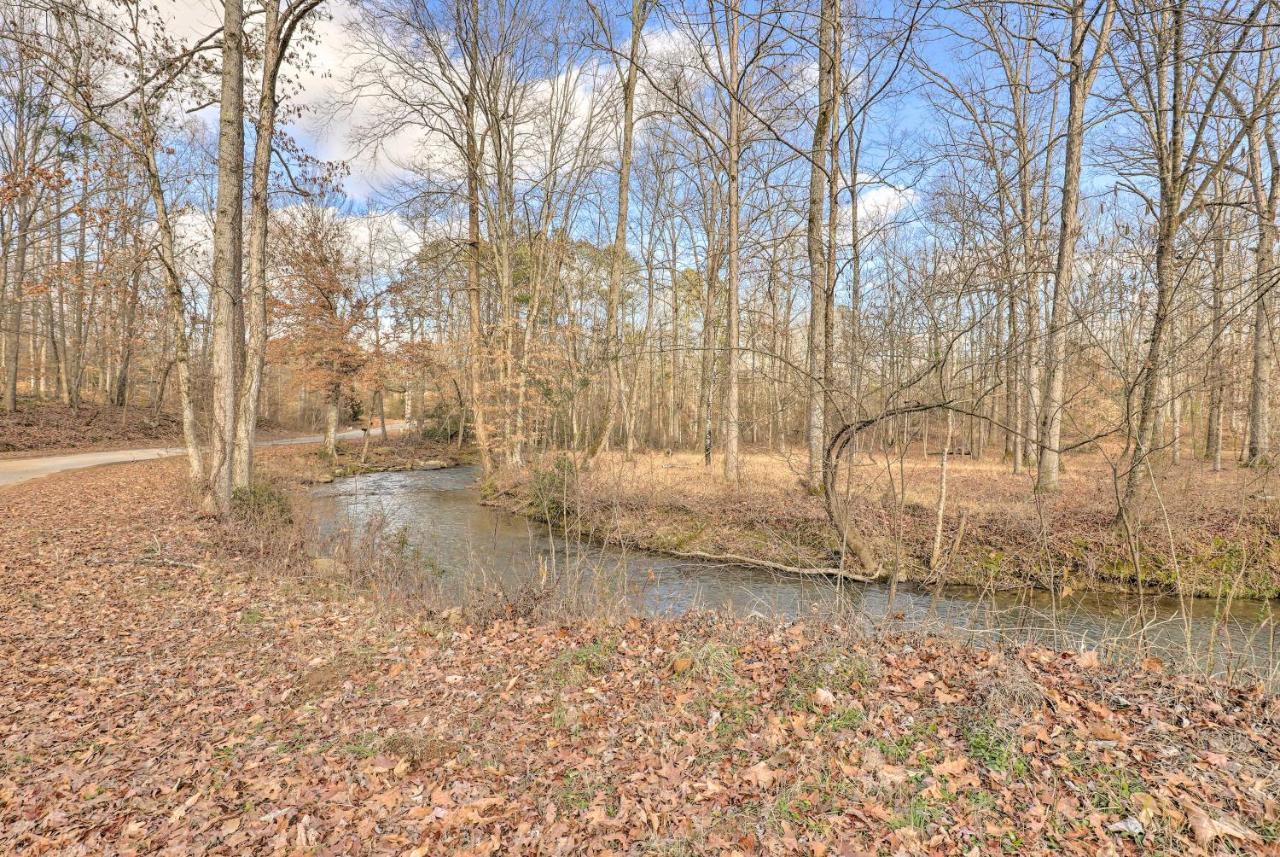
column 466, row 546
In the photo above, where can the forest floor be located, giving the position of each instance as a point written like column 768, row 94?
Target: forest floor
column 53, row 426
column 176, row 685
column 1195, row 531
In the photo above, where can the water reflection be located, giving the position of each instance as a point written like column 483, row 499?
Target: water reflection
column 473, row 546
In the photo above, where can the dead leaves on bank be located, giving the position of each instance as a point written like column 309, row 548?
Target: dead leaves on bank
column 159, row 708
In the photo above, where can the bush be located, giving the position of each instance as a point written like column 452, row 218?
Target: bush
column 262, row 504
column 552, row 485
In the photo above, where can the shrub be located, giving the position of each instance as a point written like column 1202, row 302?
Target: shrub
column 262, row 504
column 552, row 485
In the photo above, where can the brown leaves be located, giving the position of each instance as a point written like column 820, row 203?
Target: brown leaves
column 1088, row 660
column 1208, row 829
column 145, row 713
column 760, row 775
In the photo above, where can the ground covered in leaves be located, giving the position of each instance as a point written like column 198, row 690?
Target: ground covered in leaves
column 176, row 686
column 54, row 426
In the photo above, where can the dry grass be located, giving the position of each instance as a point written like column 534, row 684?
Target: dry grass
column 1194, row 531
column 405, row 451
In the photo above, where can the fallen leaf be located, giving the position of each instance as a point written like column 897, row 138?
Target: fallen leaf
column 1207, row 828
column 760, row 775
column 1129, row 826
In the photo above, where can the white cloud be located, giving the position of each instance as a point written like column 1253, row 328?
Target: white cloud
column 883, row 202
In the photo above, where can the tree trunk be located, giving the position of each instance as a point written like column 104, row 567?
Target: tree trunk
column 618, row 252
column 731, row 417
column 475, row 332
column 1260, row 380
column 13, row 340
column 1149, row 376
column 255, row 313
column 1079, row 84
column 332, row 403
column 225, row 311
column 814, row 242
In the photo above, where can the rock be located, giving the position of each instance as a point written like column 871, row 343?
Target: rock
column 433, row 464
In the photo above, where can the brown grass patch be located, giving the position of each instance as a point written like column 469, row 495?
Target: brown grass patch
column 1194, row 531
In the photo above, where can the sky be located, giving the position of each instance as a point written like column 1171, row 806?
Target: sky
column 372, row 178
column 318, row 84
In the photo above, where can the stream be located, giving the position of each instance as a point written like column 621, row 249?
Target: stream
column 467, row 546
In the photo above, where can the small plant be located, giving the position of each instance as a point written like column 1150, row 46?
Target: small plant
column 575, row 666
column 918, row 815
column 362, row 745
column 575, row 794
column 896, row 750
column 845, row 718
column 262, row 504
column 995, row 747
column 416, row 748
column 712, row 661
column 831, row 669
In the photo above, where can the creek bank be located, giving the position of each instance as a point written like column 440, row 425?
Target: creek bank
column 402, row 452
column 1062, row 544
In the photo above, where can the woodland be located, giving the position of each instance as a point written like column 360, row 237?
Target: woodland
column 915, row 296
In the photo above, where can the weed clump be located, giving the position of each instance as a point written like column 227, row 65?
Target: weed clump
column 262, row 504
column 552, row 486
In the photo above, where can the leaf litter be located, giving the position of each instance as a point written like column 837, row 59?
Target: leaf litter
column 186, row 697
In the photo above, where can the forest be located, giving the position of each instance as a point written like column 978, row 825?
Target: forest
column 865, row 405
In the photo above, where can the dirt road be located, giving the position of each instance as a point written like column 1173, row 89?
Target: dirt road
column 15, row 470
